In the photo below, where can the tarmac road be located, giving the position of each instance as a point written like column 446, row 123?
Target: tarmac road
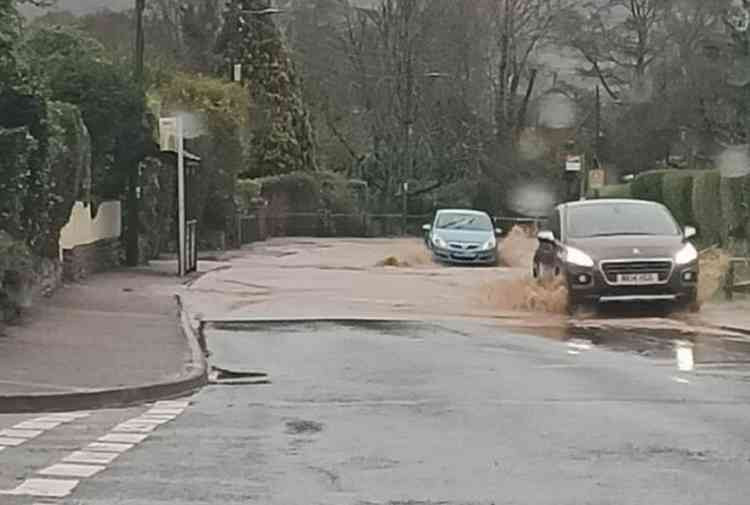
column 423, row 413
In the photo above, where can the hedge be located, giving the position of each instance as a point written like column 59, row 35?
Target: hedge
column 707, row 207
column 677, row 195
column 735, row 208
column 308, row 192
column 615, row 191
column 648, row 185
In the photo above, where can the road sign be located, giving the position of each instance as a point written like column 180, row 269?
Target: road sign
column 573, row 164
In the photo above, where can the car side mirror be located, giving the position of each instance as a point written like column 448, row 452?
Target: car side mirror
column 545, row 236
column 690, row 232
column 426, row 228
column 498, row 232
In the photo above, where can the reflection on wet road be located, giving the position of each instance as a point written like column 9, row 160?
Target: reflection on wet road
column 687, row 351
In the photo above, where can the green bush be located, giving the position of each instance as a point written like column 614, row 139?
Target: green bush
column 648, row 185
column 615, row 191
column 677, row 195
column 308, row 192
column 247, row 192
column 735, row 208
column 707, row 207
column 337, row 195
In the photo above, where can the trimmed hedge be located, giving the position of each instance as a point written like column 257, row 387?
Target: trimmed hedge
column 615, row 191
column 308, row 192
column 735, row 208
column 707, row 207
column 648, row 185
column 677, row 195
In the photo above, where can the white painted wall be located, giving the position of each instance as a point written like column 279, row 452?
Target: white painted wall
column 82, row 229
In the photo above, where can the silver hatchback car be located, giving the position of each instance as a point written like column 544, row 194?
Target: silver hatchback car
column 462, row 236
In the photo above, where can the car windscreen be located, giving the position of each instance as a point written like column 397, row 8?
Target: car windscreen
column 463, row 221
column 603, row 220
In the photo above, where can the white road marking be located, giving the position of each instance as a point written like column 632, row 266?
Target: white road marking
column 70, row 415
column 53, row 418
column 108, row 447
column 148, row 420
column 680, row 380
column 124, row 438
column 2, row 447
column 37, row 425
column 180, row 404
column 128, row 427
column 69, row 470
column 20, row 433
column 173, row 412
column 167, row 417
column 11, row 442
column 95, row 458
column 51, row 488
column 573, row 352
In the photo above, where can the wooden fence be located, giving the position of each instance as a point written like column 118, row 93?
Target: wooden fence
column 736, row 283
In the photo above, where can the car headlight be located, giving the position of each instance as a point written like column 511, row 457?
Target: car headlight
column 490, row 244
column 687, row 254
column 577, row 257
column 439, row 241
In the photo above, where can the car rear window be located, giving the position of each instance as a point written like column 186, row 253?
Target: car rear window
column 620, row 219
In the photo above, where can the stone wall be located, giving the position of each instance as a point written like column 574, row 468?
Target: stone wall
column 84, row 260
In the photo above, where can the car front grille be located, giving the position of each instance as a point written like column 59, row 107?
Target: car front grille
column 611, row 269
column 460, row 246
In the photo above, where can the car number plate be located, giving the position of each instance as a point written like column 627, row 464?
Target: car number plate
column 638, row 279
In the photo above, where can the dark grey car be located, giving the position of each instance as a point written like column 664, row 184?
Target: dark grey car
column 619, row 251
column 461, row 236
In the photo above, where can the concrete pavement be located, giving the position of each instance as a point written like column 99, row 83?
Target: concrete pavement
column 114, row 339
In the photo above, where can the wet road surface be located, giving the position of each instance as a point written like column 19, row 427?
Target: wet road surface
column 464, row 412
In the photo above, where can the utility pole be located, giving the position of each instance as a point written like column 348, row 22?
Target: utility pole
column 132, row 249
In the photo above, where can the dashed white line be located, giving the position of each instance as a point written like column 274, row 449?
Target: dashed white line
column 37, row 425
column 91, row 457
column 150, row 420
column 170, row 411
column 70, row 470
column 180, row 404
column 11, row 442
column 129, row 427
column 123, row 438
column 109, row 447
column 680, row 380
column 51, row 488
column 20, row 433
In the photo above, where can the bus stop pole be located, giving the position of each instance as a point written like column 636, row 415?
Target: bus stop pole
column 181, row 198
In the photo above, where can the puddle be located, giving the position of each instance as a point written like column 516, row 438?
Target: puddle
column 687, row 351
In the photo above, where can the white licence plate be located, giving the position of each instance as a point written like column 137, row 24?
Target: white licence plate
column 638, row 279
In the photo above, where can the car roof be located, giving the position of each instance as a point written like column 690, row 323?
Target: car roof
column 462, row 211
column 605, row 201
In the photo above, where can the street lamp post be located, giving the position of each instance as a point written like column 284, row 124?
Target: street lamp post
column 132, row 249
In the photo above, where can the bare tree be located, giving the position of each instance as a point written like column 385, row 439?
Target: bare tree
column 521, row 27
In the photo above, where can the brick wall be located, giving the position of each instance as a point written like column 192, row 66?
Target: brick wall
column 84, row 260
